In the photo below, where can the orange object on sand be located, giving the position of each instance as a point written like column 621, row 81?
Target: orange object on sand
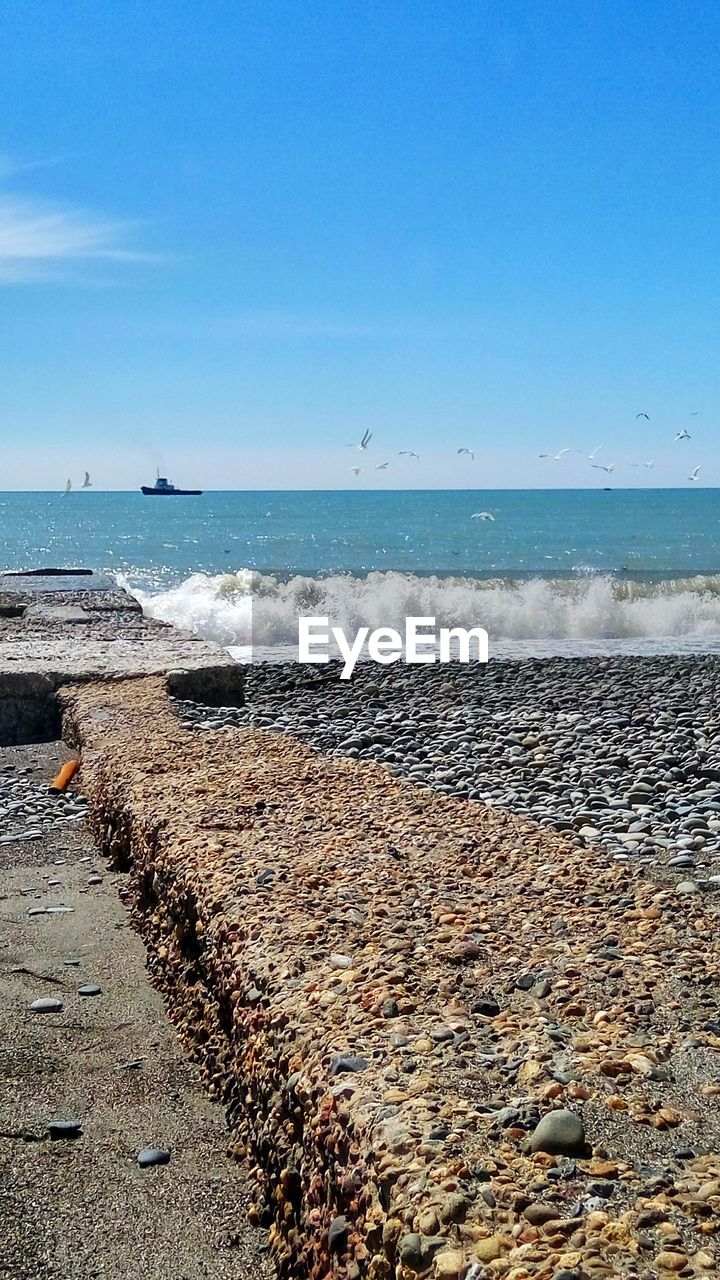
column 66, row 774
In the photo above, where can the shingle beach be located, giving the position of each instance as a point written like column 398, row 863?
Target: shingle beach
column 452, row 1041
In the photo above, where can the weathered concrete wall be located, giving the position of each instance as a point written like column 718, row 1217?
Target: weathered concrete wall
column 29, row 711
column 389, row 989
column 61, row 630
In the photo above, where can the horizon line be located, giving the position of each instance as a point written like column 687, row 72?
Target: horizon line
column 96, row 492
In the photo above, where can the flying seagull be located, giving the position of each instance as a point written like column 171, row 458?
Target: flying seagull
column 682, row 435
column 363, row 443
column 598, row 466
column 87, row 482
column 408, row 453
column 555, row 457
column 68, row 487
column 595, row 451
column 356, row 470
column 381, row 466
column 643, row 415
column 649, row 465
column 469, row 453
column 694, row 413
column 482, row 515
column 696, row 473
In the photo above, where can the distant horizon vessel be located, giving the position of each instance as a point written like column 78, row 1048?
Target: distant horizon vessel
column 163, row 488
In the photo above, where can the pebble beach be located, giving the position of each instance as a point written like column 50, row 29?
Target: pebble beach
column 621, row 755
column 452, row 1042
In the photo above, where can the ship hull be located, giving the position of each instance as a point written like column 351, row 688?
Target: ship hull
column 170, row 493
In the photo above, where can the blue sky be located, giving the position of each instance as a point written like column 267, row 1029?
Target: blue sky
column 234, row 235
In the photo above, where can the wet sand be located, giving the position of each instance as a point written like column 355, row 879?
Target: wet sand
column 79, row 1208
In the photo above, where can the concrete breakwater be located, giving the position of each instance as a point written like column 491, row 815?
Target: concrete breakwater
column 450, row 1043
column 59, row 628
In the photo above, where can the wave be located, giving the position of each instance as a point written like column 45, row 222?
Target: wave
column 251, row 608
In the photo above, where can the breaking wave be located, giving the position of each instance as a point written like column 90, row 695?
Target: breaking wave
column 251, row 608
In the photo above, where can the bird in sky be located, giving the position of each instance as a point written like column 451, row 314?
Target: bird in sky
column 87, row 482
column 598, row 466
column 594, row 453
column 682, row 435
column 363, row 443
column 696, row 473
column 408, row 453
column 469, row 453
column 554, row 457
column 649, row 465
column 482, row 515
column 643, row 415
column 694, row 413
column 356, row 470
column 381, row 466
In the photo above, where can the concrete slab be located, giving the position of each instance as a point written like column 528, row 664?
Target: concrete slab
column 61, row 612
column 74, row 628
column 69, row 658
column 35, row 582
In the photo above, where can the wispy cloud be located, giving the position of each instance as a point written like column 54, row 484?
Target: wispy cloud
column 38, row 238
column 9, row 168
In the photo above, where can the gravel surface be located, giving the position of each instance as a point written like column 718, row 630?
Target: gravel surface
column 621, row 753
column 85, row 1088
column 454, row 1043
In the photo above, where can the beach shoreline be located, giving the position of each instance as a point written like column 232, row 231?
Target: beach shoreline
column 397, row 987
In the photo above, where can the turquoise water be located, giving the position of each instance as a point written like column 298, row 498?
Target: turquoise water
column 554, row 571
column 159, row 542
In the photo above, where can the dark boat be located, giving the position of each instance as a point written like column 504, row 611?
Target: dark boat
column 163, row 488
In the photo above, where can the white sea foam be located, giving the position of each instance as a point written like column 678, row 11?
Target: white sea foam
column 249, row 608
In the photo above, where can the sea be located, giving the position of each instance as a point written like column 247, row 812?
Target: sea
column 553, row 572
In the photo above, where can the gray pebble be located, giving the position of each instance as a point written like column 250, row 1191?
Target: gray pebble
column 47, row 1004
column 559, row 1133
column 347, row 1062
column 153, row 1155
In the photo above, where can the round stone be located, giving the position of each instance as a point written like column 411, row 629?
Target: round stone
column 153, row 1155
column 89, row 989
column 47, row 1004
column 560, row 1133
